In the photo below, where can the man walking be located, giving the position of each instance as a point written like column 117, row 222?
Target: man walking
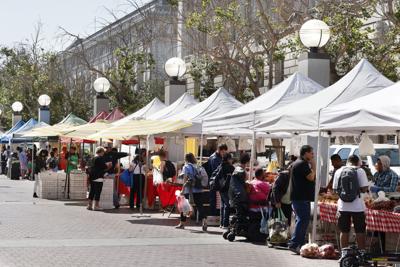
column 213, row 162
column 303, row 187
column 349, row 182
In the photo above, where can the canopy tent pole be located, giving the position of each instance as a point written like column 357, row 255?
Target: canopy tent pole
column 328, row 158
column 398, row 141
column 317, row 184
column 253, row 148
column 144, row 199
column 201, row 144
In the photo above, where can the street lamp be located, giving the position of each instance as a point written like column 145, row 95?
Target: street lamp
column 175, row 68
column 314, row 34
column 44, row 111
column 16, row 108
column 101, row 102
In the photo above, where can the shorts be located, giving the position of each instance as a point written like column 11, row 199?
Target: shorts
column 345, row 218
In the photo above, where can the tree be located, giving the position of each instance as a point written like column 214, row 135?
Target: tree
column 124, row 47
column 241, row 36
column 27, row 71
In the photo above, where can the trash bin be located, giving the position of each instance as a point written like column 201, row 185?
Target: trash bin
column 15, row 170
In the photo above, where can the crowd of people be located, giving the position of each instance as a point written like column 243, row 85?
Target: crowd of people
column 291, row 192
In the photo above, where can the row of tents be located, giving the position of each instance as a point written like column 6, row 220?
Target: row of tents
column 363, row 100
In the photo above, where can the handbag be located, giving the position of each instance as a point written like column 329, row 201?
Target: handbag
column 278, row 228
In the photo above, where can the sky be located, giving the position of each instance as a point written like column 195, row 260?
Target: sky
column 19, row 18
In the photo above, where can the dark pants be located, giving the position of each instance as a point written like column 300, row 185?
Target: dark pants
column 198, row 201
column 225, row 209
column 137, row 188
column 302, row 209
column 287, row 211
column 95, row 190
column 213, row 203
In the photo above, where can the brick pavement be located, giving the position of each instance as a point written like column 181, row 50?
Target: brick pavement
column 64, row 233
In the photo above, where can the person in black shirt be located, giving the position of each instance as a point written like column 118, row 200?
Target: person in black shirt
column 99, row 168
column 302, row 194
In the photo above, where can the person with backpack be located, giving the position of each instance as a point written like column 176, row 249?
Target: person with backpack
column 349, row 182
column 302, row 194
column 167, row 168
column 219, row 181
column 192, row 185
column 213, row 162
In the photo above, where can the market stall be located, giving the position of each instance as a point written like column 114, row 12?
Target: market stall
column 304, row 115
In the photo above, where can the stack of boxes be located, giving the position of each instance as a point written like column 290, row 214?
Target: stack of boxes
column 106, row 198
column 52, row 185
column 78, row 185
column 48, row 185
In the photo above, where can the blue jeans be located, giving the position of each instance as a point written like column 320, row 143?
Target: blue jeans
column 302, row 209
column 225, row 209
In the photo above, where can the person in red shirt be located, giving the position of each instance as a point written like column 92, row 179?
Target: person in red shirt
column 62, row 160
column 259, row 191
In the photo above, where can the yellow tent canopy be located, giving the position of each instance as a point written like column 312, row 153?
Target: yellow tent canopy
column 134, row 128
column 85, row 130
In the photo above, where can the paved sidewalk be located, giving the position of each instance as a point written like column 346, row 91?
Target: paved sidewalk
column 36, row 232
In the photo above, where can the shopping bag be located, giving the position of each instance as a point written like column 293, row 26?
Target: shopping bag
column 157, row 177
column 278, row 228
column 126, row 177
column 183, row 205
column 264, row 222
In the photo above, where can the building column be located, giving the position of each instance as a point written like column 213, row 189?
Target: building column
column 315, row 66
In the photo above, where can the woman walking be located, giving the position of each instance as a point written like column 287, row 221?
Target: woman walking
column 96, row 177
column 190, row 187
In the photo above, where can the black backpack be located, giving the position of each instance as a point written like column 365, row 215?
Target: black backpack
column 169, row 170
column 216, row 178
column 348, row 186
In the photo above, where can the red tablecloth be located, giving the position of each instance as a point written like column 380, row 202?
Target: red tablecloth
column 166, row 193
column 377, row 220
column 151, row 191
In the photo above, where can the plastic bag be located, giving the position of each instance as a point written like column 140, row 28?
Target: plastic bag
column 328, row 252
column 183, row 204
column 264, row 222
column 278, row 228
column 310, row 250
column 381, row 197
column 366, row 147
column 126, row 177
column 157, row 177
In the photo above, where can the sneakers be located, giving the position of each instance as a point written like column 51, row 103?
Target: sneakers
column 295, row 250
column 180, row 226
column 35, row 195
column 89, row 207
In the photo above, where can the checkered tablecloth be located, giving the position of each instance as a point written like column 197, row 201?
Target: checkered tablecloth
column 377, row 220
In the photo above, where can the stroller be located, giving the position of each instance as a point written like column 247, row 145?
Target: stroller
column 244, row 222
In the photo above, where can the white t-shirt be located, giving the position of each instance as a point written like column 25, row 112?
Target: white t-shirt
column 136, row 168
column 358, row 204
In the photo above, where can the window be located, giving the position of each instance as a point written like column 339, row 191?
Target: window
column 344, row 153
column 392, row 153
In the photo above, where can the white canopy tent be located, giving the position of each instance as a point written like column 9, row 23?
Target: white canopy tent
column 238, row 121
column 154, row 106
column 220, row 102
column 303, row 115
column 185, row 102
column 375, row 113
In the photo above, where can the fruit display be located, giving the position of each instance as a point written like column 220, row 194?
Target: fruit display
column 328, row 198
column 381, row 205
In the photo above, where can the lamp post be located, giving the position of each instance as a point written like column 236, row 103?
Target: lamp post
column 17, row 108
column 44, row 111
column 314, row 34
column 101, row 102
column 175, row 68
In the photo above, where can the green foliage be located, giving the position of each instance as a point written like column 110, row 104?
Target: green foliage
column 124, row 77
column 203, row 70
